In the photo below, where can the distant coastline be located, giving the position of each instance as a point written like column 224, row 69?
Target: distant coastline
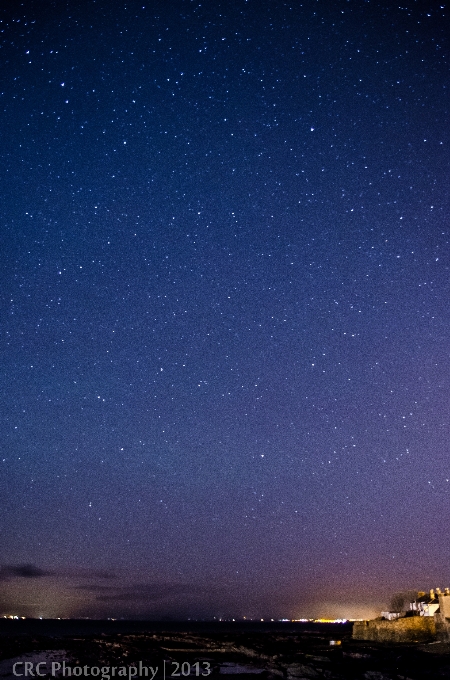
column 70, row 627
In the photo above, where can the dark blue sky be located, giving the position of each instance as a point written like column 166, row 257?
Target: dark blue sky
column 225, row 327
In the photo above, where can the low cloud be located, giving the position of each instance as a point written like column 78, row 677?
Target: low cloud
column 30, row 571
column 88, row 573
column 10, row 571
column 142, row 592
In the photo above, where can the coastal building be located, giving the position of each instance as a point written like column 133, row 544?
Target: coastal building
column 426, row 604
column 391, row 616
column 426, row 619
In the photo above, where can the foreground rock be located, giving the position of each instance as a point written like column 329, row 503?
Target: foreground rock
column 302, row 655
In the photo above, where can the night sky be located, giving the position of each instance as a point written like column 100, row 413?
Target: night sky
column 225, row 324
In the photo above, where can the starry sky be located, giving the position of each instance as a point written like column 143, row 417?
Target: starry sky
column 225, row 289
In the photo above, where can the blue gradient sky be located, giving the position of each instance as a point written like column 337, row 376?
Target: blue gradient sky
column 225, row 327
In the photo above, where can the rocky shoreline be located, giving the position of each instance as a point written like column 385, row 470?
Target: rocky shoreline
column 322, row 653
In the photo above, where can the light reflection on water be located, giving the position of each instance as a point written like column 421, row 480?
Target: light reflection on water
column 46, row 657
column 235, row 669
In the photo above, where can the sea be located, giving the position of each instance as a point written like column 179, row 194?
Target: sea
column 74, row 627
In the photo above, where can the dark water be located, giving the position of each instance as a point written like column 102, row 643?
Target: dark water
column 74, row 627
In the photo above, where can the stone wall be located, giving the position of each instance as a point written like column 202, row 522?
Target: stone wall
column 442, row 628
column 407, row 629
